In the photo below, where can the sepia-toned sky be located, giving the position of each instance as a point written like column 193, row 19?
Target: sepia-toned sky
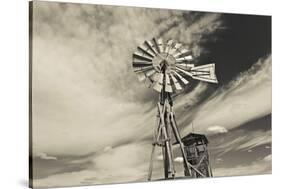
column 93, row 121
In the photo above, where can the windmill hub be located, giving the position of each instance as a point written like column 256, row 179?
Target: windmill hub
column 164, row 61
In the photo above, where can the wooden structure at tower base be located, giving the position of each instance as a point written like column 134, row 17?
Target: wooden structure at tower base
column 196, row 150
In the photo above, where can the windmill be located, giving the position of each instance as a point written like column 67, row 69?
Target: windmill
column 165, row 67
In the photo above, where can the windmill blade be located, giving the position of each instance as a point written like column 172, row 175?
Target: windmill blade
column 185, row 58
column 154, row 77
column 156, row 45
column 142, row 56
column 159, row 44
column 181, row 78
column 175, row 48
column 146, row 50
column 141, row 76
column 148, row 82
column 181, row 52
column 150, row 73
column 185, row 66
column 184, row 71
column 169, row 46
column 152, row 47
column 142, row 69
column 176, row 83
column 205, row 73
column 140, row 65
column 168, row 87
column 158, row 84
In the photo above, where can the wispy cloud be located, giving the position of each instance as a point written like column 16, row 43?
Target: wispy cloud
column 262, row 166
column 45, row 156
column 260, row 138
column 191, row 32
column 216, row 129
column 114, row 165
column 238, row 141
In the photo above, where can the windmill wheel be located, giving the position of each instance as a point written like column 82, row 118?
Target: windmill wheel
column 165, row 65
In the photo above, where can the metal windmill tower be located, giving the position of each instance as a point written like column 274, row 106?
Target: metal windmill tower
column 164, row 67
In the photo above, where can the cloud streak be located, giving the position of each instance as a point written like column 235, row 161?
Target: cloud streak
column 245, row 98
column 216, row 129
column 45, row 156
column 238, row 141
column 262, row 166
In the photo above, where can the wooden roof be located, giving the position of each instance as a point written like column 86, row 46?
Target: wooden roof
column 191, row 138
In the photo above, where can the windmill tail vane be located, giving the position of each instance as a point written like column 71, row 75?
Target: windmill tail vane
column 167, row 67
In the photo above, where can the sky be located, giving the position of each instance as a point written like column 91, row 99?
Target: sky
column 93, row 121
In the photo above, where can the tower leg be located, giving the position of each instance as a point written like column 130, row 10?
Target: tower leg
column 178, row 138
column 151, row 162
column 166, row 162
column 168, row 156
column 169, row 134
column 209, row 166
column 157, row 136
column 169, row 167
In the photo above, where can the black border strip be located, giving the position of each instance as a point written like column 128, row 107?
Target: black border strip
column 30, row 168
